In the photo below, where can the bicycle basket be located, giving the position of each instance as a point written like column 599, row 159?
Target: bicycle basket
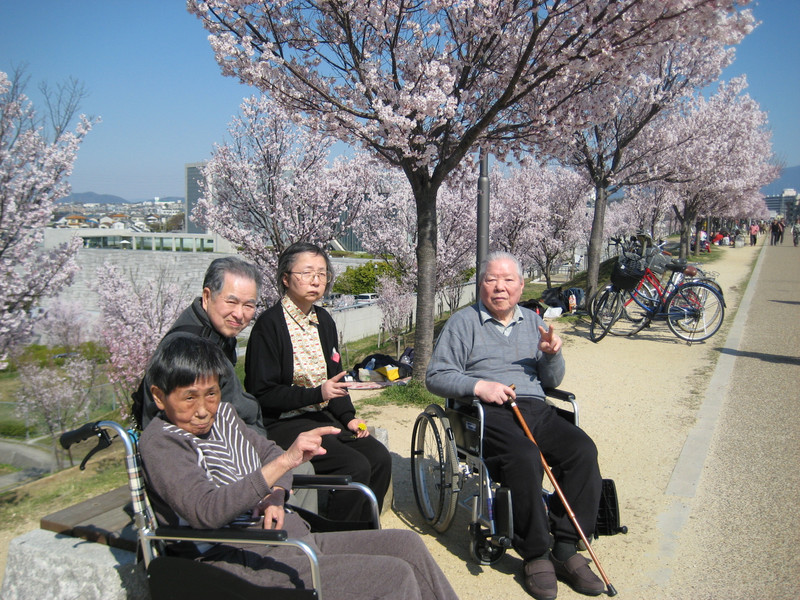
column 627, row 273
column 658, row 262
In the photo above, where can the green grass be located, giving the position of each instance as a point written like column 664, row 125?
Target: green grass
column 411, row 394
column 6, row 469
column 32, row 501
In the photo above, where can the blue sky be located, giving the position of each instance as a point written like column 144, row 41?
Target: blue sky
column 153, row 80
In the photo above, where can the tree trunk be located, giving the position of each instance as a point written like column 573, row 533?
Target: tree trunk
column 547, row 268
column 685, row 227
column 596, row 240
column 425, row 196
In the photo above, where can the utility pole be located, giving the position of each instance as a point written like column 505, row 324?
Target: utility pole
column 483, row 216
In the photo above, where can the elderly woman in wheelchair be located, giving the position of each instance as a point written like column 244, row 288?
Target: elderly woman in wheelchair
column 487, row 355
column 206, row 469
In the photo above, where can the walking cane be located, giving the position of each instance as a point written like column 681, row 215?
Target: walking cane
column 609, row 588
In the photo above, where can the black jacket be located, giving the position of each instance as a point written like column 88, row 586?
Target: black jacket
column 269, row 367
column 194, row 319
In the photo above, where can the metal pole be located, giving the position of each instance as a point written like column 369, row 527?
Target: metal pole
column 483, row 215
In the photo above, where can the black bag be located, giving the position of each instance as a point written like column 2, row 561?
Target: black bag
column 383, row 360
column 555, row 297
column 407, row 357
column 533, row 305
column 580, row 296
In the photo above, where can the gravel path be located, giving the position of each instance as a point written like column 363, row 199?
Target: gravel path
column 701, row 440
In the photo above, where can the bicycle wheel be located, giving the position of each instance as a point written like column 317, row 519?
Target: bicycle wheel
column 606, row 311
column 434, row 468
column 636, row 310
column 712, row 283
column 695, row 311
column 644, row 304
column 591, row 302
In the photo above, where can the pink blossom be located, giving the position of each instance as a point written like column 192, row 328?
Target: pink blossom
column 33, row 175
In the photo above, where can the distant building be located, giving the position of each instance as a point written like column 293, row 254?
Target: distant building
column 75, row 221
column 194, row 179
column 784, row 204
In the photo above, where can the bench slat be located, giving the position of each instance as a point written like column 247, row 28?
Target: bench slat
column 105, row 519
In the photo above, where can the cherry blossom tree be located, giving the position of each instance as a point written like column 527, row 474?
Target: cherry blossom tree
column 396, row 303
column 424, row 84
column 134, row 317
column 59, row 395
column 35, row 164
column 724, row 156
column 388, row 228
column 540, row 215
column 645, row 208
column 621, row 151
column 271, row 186
column 66, row 324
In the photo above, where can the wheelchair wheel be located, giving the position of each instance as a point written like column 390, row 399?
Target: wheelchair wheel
column 434, row 468
column 483, row 552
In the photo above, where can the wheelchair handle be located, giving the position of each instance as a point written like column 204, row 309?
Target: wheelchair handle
column 96, row 429
column 70, row 438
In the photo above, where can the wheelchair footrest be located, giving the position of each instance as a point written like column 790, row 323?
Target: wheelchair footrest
column 503, row 513
column 608, row 511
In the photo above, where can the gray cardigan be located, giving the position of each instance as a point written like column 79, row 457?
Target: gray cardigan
column 470, row 348
column 208, row 482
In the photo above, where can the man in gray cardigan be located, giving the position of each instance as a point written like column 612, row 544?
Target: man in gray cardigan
column 481, row 351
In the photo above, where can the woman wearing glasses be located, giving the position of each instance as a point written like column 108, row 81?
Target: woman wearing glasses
column 294, row 370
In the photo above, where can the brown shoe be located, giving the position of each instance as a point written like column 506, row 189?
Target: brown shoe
column 539, row 576
column 576, row 573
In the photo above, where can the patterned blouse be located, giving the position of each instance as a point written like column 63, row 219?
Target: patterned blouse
column 310, row 370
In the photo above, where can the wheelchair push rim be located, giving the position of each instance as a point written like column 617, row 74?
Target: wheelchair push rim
column 434, row 468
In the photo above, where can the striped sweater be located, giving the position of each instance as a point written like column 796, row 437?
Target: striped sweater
column 207, row 482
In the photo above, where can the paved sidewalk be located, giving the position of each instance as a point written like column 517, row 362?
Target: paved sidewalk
column 732, row 530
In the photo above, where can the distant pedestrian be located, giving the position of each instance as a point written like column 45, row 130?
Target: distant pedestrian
column 775, row 232
column 754, row 233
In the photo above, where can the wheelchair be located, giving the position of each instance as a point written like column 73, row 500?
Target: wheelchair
column 447, row 462
column 176, row 578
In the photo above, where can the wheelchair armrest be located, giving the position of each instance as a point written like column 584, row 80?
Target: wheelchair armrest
column 274, row 537
column 216, row 535
column 341, row 483
column 463, row 401
column 312, row 481
column 559, row 394
column 564, row 396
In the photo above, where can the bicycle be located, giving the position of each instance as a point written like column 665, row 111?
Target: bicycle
column 693, row 309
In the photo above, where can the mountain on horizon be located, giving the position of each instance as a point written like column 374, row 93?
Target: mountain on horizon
column 92, row 198
column 95, row 198
column 790, row 178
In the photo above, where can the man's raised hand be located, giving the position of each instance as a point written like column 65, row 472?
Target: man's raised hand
column 549, row 342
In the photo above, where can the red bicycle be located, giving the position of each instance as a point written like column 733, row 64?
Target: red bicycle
column 693, row 308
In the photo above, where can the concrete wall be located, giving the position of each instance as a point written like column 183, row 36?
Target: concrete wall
column 188, row 269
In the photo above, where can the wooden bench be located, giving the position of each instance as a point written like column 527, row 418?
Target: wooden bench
column 105, row 519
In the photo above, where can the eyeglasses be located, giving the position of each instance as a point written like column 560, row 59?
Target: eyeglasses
column 309, row 276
